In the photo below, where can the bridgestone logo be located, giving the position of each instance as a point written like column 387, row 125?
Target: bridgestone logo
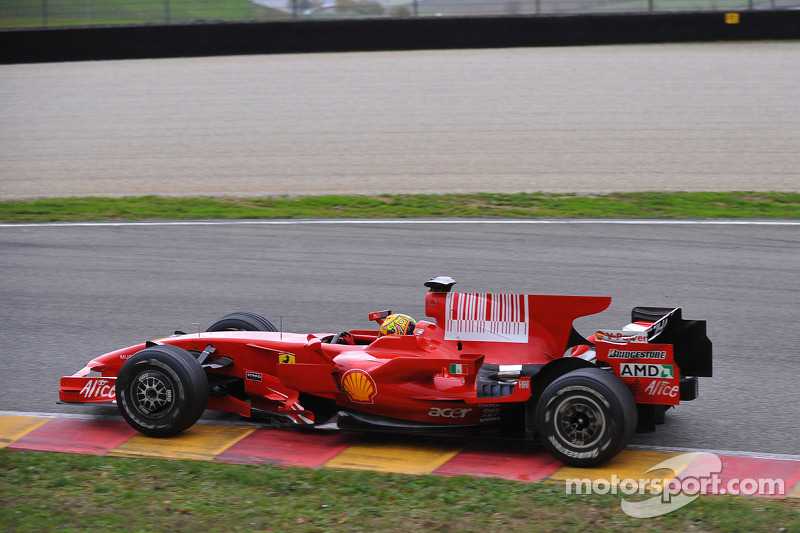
column 624, row 354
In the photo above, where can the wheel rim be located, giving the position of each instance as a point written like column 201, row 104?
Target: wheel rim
column 153, row 393
column 580, row 421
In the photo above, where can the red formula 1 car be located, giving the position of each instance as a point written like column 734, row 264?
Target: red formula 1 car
column 487, row 364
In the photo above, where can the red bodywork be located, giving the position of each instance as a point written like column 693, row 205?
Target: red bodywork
column 431, row 377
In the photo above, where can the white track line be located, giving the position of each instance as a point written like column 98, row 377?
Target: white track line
column 298, row 222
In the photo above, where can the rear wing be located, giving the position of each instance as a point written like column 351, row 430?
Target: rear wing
column 665, row 325
column 691, row 346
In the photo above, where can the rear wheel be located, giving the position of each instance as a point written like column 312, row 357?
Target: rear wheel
column 586, row 417
column 161, row 391
column 242, row 321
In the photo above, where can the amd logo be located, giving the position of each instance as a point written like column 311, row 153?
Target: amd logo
column 633, row 370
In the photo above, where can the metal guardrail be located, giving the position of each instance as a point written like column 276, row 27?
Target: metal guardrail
column 58, row 13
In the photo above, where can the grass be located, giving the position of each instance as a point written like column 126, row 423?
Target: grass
column 37, row 13
column 767, row 205
column 48, row 492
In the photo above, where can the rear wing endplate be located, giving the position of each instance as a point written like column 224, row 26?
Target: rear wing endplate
column 691, row 346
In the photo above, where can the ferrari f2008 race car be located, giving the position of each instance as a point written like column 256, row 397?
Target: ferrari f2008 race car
column 509, row 365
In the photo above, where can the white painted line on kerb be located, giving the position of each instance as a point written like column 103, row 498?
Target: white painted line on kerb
column 735, row 453
column 298, row 222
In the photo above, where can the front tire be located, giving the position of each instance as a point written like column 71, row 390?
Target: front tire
column 586, row 417
column 242, row 321
column 161, row 391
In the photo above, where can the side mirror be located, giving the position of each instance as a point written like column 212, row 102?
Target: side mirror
column 314, row 345
column 378, row 316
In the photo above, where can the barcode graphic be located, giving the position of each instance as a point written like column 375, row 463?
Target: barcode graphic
column 487, row 317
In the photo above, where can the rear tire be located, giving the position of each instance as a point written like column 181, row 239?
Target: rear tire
column 161, row 391
column 586, row 417
column 242, row 321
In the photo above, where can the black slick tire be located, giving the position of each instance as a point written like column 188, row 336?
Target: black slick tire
column 242, row 321
column 161, row 391
column 585, row 417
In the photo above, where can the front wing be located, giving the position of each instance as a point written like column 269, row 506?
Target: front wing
column 80, row 388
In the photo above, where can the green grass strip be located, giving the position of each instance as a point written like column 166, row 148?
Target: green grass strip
column 26, row 13
column 61, row 492
column 769, row 205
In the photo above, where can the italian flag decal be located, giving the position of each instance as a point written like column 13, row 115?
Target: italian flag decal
column 457, row 369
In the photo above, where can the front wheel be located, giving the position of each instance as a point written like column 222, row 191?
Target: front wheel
column 242, row 321
column 161, row 391
column 586, row 417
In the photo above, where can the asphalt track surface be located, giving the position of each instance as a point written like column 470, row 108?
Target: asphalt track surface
column 677, row 117
column 597, row 119
column 70, row 293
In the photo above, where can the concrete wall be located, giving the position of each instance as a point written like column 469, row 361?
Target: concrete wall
column 128, row 42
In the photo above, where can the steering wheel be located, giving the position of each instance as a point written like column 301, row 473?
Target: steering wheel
column 343, row 337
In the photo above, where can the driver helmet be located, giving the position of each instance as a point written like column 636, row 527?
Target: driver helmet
column 397, row 324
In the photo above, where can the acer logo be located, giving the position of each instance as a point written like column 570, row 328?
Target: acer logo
column 458, row 412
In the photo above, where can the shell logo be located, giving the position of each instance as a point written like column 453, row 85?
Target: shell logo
column 359, row 386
